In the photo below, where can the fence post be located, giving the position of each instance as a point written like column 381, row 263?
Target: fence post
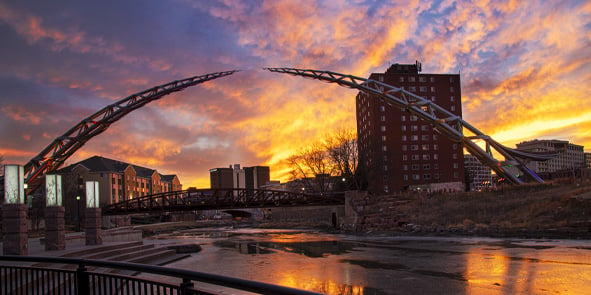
column 186, row 287
column 82, row 280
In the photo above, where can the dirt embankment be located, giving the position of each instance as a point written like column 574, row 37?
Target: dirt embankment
column 560, row 209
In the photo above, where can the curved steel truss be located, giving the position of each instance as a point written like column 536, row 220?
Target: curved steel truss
column 54, row 155
column 444, row 121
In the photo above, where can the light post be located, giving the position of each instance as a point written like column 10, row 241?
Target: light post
column 78, row 207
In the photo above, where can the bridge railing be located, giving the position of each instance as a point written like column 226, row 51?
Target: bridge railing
column 85, row 279
column 223, row 198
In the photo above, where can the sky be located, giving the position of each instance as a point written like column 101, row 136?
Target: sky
column 525, row 72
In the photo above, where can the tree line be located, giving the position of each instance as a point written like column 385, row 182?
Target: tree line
column 328, row 165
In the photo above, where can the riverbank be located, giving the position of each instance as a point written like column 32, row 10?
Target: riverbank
column 558, row 209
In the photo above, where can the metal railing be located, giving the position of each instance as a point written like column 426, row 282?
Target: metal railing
column 85, row 276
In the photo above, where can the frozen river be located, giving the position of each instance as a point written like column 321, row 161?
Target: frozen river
column 344, row 264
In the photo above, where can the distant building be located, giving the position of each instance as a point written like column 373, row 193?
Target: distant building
column 118, row 181
column 570, row 156
column 587, row 160
column 236, row 177
column 397, row 150
column 478, row 175
column 221, row 177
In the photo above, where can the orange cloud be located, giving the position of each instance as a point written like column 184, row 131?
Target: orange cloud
column 20, row 114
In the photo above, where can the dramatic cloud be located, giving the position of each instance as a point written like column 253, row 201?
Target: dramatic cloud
column 525, row 68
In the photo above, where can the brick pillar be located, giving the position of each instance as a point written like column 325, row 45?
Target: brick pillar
column 55, row 232
column 14, row 229
column 93, row 226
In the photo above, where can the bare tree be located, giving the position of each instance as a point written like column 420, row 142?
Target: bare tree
column 311, row 166
column 343, row 154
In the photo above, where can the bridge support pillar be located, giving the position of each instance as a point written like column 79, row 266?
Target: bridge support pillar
column 14, row 229
column 93, row 223
column 55, row 233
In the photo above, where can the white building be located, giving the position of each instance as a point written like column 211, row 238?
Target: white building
column 478, row 175
column 570, row 156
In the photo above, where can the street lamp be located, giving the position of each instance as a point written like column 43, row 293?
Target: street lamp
column 78, row 207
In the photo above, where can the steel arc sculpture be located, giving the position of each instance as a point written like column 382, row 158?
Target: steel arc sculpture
column 442, row 120
column 56, row 153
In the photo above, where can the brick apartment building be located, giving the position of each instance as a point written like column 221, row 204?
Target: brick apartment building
column 118, row 181
column 397, row 150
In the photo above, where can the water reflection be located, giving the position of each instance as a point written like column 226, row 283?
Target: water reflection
column 386, row 265
column 314, row 249
column 527, row 272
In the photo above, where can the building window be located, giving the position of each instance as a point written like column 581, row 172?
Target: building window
column 415, row 157
column 432, row 88
column 385, row 168
column 436, row 175
column 384, row 148
column 415, row 167
column 404, row 157
column 451, row 89
column 416, row 177
column 414, row 128
column 426, row 157
column 405, row 177
column 411, row 79
column 401, row 79
column 423, row 89
column 432, row 98
column 382, row 108
column 426, row 176
column 414, row 147
column 405, row 167
column 453, row 108
column 425, row 147
column 383, row 128
column 403, row 137
column 434, row 136
column 413, row 118
column 456, row 175
column 454, row 156
column 403, row 127
column 412, row 89
column 426, row 166
column 435, row 147
column 435, row 157
column 383, row 118
column 454, row 146
column 455, row 165
column 451, row 79
column 424, row 137
column 404, row 147
column 422, row 79
column 385, row 158
column 403, row 118
column 383, row 137
column 414, row 137
column 451, row 98
column 385, row 188
column 424, row 127
column 432, row 79
column 435, row 166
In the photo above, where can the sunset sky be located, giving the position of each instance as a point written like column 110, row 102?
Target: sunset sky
column 525, row 72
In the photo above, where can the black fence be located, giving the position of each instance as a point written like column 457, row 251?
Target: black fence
column 84, row 276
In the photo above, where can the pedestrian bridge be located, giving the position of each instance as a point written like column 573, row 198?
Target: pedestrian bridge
column 221, row 199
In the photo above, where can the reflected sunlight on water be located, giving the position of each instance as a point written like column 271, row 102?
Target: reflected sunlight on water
column 289, row 279
column 539, row 273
